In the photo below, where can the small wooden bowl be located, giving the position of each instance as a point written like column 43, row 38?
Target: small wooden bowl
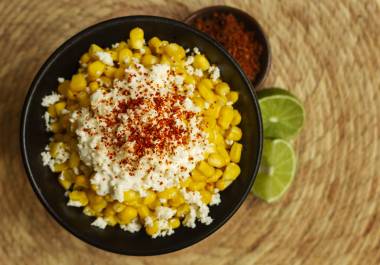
column 252, row 25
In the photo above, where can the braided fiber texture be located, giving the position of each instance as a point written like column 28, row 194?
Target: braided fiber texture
column 326, row 52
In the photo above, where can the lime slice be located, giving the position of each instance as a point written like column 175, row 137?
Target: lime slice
column 283, row 114
column 277, row 170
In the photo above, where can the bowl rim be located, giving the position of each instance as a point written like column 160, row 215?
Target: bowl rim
column 24, row 118
column 190, row 19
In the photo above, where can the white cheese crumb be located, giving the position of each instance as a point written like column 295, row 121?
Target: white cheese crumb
column 133, row 227
column 229, row 103
column 165, row 212
column 61, row 79
column 214, row 72
column 50, row 99
column 115, row 45
column 187, row 50
column 189, row 60
column 99, row 222
column 148, row 221
column 215, row 199
column 198, row 72
column 105, row 57
column 196, row 50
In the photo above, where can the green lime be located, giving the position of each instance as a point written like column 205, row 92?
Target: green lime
column 283, row 114
column 277, row 170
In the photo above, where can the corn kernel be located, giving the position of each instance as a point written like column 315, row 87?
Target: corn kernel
column 235, row 152
column 214, row 178
column 118, row 207
column 223, row 152
column 96, row 69
column 131, row 195
column 125, row 56
column 66, row 184
column 83, row 99
column 74, row 160
column 149, row 59
column 78, row 196
column 127, row 215
column 136, row 33
column 176, row 200
column 174, row 223
column 93, row 86
column 173, row 50
column 233, row 96
column 201, row 62
column 222, row 184
column 206, row 196
column 234, row 134
column 206, row 93
column 109, row 71
column 196, row 175
column 85, row 58
column 52, row 112
column 143, row 212
column 195, row 186
column 182, row 210
column 60, row 167
column 231, row 172
column 216, row 160
column 153, row 229
column 236, row 119
column 226, row 116
column 155, row 43
column 168, row 193
column 136, row 43
column 150, row 197
column 93, row 50
column 222, row 89
column 78, row 82
column 206, row 169
column 81, row 182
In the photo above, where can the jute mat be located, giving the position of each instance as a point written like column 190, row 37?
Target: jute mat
column 326, row 52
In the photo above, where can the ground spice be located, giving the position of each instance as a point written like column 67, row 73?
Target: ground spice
column 234, row 36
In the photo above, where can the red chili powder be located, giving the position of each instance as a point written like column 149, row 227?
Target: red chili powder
column 234, row 36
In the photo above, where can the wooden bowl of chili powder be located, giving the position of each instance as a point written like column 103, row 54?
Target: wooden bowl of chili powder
column 240, row 34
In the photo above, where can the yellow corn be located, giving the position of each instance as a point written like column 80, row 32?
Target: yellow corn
column 235, row 152
column 168, row 193
column 136, row 33
column 207, row 82
column 218, row 173
column 176, row 200
column 109, row 71
column 150, row 198
column 223, row 184
column 105, row 81
column 109, row 211
column 189, row 79
column 66, row 184
column 64, row 87
column 197, row 185
column 223, row 152
column 199, row 102
column 185, row 183
column 78, row 82
column 174, row 223
column 88, row 211
column 125, row 56
column 84, row 99
column 119, row 73
column 222, row 89
column 173, row 50
column 182, row 210
column 196, row 175
column 206, row 169
column 206, row 196
column 78, row 196
column 149, row 59
column 118, row 207
column 165, row 60
column 216, row 160
column 81, row 182
column 60, row 167
column 85, row 58
column 59, row 106
column 111, row 220
column 96, row 69
column 131, row 195
column 143, row 212
column 74, row 160
column 226, row 116
column 153, row 229
column 201, row 62
column 234, row 134
column 93, row 50
column 231, row 172
column 210, row 187
column 93, row 86
column 154, row 44
column 236, row 119
column 136, row 43
column 127, row 215
column 233, row 96
column 206, row 93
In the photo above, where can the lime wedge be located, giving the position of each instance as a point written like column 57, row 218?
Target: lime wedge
column 277, row 170
column 283, row 114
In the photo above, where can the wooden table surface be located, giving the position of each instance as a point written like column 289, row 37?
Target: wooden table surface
column 326, row 52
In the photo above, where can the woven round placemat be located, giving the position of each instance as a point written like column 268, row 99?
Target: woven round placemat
column 326, row 52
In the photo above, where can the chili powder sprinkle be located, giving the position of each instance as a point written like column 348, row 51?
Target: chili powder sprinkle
column 236, row 38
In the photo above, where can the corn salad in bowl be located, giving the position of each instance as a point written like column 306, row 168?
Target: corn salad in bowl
column 145, row 135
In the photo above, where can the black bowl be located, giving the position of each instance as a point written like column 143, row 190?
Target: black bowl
column 63, row 63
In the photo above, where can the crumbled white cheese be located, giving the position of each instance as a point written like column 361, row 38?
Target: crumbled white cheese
column 214, row 72
column 115, row 45
column 105, row 57
column 112, row 177
column 50, row 99
column 61, row 79
column 215, row 199
column 133, row 227
column 148, row 221
column 165, row 212
column 198, row 72
column 99, row 222
column 189, row 60
column 196, row 50
column 229, row 103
